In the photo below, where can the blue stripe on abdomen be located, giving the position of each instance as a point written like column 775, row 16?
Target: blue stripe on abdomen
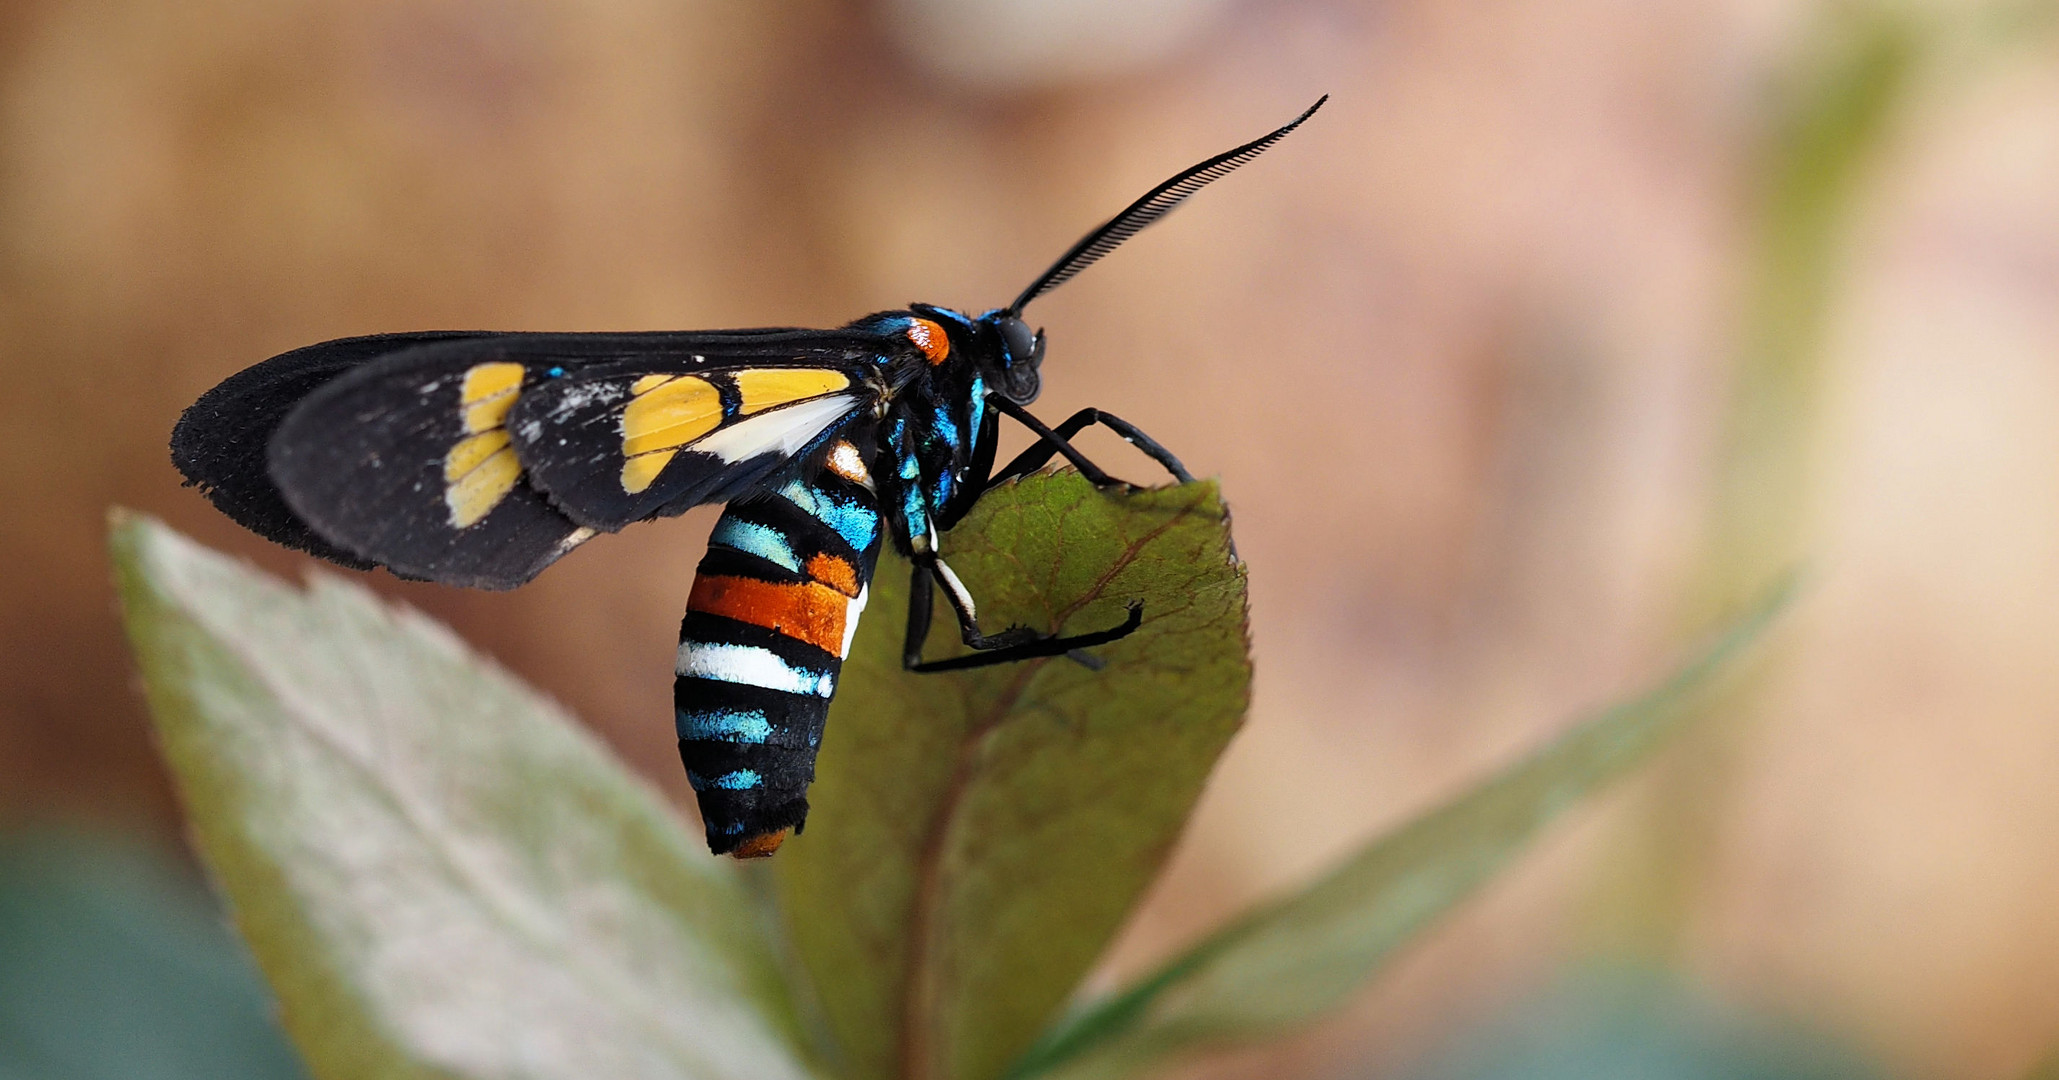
column 752, row 538
column 737, row 780
column 724, row 725
column 858, row 525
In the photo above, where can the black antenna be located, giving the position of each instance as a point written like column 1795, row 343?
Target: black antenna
column 1148, row 209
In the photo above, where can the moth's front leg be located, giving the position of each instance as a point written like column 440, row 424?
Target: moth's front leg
column 1052, row 441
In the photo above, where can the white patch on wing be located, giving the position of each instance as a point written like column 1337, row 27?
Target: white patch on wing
column 580, row 395
column 782, row 431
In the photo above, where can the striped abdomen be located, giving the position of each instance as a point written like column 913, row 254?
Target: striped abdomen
column 766, row 631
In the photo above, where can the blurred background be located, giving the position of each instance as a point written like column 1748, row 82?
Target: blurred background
column 1563, row 329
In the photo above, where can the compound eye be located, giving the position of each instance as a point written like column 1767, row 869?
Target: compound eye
column 1023, row 346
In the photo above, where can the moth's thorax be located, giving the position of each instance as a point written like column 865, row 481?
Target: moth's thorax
column 932, row 417
column 995, row 345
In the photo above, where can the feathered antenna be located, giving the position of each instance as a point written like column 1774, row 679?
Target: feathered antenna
column 1148, row 209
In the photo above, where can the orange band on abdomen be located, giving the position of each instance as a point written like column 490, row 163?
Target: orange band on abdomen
column 807, row 612
column 834, row 572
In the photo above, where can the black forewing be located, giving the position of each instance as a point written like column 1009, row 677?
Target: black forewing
column 575, row 435
column 219, row 443
column 369, row 459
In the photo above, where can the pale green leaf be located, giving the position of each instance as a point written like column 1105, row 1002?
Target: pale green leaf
column 1295, row 959
column 440, row 874
column 977, row 837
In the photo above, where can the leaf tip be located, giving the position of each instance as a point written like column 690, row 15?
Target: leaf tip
column 125, row 529
column 130, row 534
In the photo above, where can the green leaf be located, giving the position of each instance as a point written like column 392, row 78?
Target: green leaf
column 1291, row 961
column 441, row 875
column 977, row 837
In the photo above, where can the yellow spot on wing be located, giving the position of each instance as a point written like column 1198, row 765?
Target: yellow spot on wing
column 669, row 415
column 489, row 392
column 638, row 472
column 474, row 494
column 668, row 412
column 481, row 469
column 767, row 388
column 470, row 452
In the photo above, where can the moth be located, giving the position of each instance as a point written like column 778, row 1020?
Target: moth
column 478, row 459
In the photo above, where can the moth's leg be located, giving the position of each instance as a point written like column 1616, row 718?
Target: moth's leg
column 920, row 610
column 929, row 564
column 1008, row 646
column 920, row 607
column 1050, row 646
column 1058, row 441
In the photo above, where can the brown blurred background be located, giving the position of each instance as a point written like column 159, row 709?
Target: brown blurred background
column 1563, row 328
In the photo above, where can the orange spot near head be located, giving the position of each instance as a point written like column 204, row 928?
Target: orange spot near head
column 930, row 338
column 835, row 573
column 761, row 845
column 806, row 612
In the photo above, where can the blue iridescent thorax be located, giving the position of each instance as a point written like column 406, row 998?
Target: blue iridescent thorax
column 936, row 419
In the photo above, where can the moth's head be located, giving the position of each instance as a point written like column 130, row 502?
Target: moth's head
column 1016, row 362
column 1003, row 348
